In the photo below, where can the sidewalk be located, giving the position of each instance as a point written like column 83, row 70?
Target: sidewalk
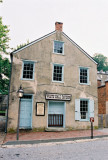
column 2, row 137
column 45, row 137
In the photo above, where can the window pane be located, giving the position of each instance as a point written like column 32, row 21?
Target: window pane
column 58, row 47
column 83, row 76
column 28, row 70
column 83, row 109
column 57, row 73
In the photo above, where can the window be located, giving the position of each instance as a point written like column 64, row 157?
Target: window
column 28, row 70
column 84, row 77
column 84, row 109
column 27, row 97
column 58, row 47
column 58, row 73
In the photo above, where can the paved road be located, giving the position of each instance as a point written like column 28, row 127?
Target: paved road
column 89, row 150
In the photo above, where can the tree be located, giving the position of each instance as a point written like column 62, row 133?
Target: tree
column 4, row 75
column 102, row 62
column 21, row 45
column 4, row 39
column 4, row 63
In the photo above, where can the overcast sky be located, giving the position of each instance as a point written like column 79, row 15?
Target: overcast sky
column 84, row 21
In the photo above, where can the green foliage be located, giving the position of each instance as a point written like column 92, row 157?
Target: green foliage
column 4, row 75
column 102, row 62
column 21, row 45
column 4, row 39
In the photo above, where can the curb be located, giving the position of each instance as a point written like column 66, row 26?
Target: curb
column 49, row 140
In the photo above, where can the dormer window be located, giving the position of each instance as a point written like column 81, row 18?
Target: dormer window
column 58, row 47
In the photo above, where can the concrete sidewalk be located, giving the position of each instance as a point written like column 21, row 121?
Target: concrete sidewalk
column 2, row 137
column 45, row 137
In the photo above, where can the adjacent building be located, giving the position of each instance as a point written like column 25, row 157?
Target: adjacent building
column 103, row 98
column 59, row 80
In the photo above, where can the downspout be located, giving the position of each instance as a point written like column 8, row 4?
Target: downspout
column 11, row 57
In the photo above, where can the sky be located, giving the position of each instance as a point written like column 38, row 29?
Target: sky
column 84, row 21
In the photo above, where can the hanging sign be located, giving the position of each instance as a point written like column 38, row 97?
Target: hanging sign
column 62, row 97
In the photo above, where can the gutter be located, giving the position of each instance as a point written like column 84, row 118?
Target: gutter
column 11, row 57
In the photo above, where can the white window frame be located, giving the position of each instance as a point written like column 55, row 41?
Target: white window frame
column 90, row 109
column 24, row 62
column 87, row 116
column 54, row 45
column 55, row 64
column 87, row 75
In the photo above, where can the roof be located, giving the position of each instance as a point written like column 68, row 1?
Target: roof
column 49, row 34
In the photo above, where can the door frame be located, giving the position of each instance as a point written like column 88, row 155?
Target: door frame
column 64, row 119
column 31, row 108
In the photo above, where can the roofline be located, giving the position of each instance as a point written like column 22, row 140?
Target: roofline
column 49, row 34
column 101, row 86
column 80, row 48
column 35, row 41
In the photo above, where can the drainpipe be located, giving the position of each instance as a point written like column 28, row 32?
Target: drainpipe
column 11, row 56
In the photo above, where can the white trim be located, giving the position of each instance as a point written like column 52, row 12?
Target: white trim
column 26, row 60
column 79, row 47
column 84, row 67
column 63, row 47
column 27, row 79
column 87, row 118
column 55, row 64
column 88, row 77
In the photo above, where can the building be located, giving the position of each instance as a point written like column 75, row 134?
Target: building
column 59, row 80
column 103, row 98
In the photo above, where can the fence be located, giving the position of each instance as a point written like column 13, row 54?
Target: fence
column 103, row 120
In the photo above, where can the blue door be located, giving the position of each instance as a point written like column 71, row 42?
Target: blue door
column 26, row 112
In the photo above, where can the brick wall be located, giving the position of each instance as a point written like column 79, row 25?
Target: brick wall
column 102, row 100
column 106, row 84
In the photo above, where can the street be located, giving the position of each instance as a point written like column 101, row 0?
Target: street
column 78, row 150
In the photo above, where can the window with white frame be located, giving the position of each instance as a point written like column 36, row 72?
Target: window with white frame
column 84, row 109
column 58, row 72
column 28, row 70
column 58, row 47
column 84, row 75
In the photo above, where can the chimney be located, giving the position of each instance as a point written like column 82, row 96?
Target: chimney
column 59, row 26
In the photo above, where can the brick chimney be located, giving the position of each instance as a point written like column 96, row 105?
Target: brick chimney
column 58, row 26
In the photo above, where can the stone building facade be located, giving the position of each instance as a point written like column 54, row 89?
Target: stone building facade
column 59, row 80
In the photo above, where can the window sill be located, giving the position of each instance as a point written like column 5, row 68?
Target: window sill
column 84, row 120
column 58, row 82
column 27, row 79
column 62, row 54
column 87, row 84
